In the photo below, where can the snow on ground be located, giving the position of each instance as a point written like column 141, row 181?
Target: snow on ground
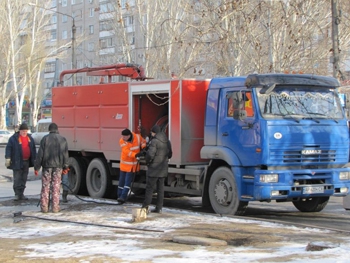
column 134, row 244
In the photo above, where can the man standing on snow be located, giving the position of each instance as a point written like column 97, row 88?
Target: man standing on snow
column 20, row 154
column 157, row 157
column 53, row 158
column 131, row 145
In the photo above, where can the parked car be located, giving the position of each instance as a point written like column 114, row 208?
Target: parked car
column 41, row 129
column 5, row 136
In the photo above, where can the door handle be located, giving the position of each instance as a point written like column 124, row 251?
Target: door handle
column 225, row 134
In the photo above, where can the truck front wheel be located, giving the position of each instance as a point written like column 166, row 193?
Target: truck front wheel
column 223, row 193
column 98, row 179
column 313, row 204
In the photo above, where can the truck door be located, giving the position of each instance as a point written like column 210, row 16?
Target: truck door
column 241, row 136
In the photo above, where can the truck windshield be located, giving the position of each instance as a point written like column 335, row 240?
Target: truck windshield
column 300, row 102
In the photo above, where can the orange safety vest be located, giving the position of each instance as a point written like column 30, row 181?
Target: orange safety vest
column 128, row 162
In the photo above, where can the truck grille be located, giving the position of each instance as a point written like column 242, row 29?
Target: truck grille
column 296, row 156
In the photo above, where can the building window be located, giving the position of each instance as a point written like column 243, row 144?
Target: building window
column 105, row 25
column 64, row 34
column 73, row 2
column 106, row 8
column 107, row 42
column 64, row 2
column 54, row 19
column 128, row 21
column 92, row 11
column 123, row 2
column 91, row 29
column 53, row 35
column 50, row 67
column 64, row 19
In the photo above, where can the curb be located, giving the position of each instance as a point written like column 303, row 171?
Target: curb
column 5, row 178
column 8, row 178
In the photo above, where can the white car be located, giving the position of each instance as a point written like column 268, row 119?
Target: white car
column 5, row 136
column 41, row 130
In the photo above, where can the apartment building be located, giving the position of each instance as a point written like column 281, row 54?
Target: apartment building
column 98, row 38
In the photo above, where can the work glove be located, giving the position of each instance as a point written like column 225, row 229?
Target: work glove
column 65, row 171
column 7, row 162
column 138, row 155
column 36, row 172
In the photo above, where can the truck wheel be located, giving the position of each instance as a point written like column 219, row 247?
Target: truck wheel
column 313, row 204
column 98, row 179
column 223, row 193
column 76, row 176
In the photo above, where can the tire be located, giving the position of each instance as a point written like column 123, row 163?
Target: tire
column 98, row 179
column 76, row 176
column 313, row 204
column 223, row 193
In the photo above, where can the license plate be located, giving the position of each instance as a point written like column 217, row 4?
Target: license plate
column 313, row 189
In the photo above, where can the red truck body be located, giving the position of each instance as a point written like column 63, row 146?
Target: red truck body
column 91, row 117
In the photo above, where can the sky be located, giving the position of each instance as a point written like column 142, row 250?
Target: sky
column 134, row 246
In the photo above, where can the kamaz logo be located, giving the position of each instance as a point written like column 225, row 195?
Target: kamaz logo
column 308, row 152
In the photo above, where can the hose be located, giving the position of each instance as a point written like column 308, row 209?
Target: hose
column 19, row 214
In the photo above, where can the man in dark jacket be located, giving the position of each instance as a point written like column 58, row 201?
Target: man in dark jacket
column 20, row 154
column 53, row 158
column 157, row 157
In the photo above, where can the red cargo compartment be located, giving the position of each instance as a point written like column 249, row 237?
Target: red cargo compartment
column 181, row 103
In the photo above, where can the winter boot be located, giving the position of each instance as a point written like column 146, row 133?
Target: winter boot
column 64, row 196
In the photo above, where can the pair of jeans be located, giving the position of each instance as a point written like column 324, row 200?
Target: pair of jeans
column 125, row 180
column 65, row 182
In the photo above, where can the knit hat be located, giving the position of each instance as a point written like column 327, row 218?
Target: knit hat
column 126, row 132
column 155, row 129
column 53, row 127
column 23, row 126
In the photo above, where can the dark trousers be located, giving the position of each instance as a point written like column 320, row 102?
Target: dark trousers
column 20, row 178
column 125, row 180
column 154, row 183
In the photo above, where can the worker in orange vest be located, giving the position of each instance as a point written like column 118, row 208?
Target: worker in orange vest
column 131, row 144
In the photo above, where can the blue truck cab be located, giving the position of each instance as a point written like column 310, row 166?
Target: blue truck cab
column 281, row 137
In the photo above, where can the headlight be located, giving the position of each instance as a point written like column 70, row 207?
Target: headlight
column 344, row 176
column 269, row 178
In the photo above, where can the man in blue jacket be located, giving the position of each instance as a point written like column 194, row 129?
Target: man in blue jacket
column 20, row 154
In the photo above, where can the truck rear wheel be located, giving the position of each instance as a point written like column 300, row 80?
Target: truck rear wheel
column 76, row 177
column 313, row 204
column 223, row 193
column 98, row 179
